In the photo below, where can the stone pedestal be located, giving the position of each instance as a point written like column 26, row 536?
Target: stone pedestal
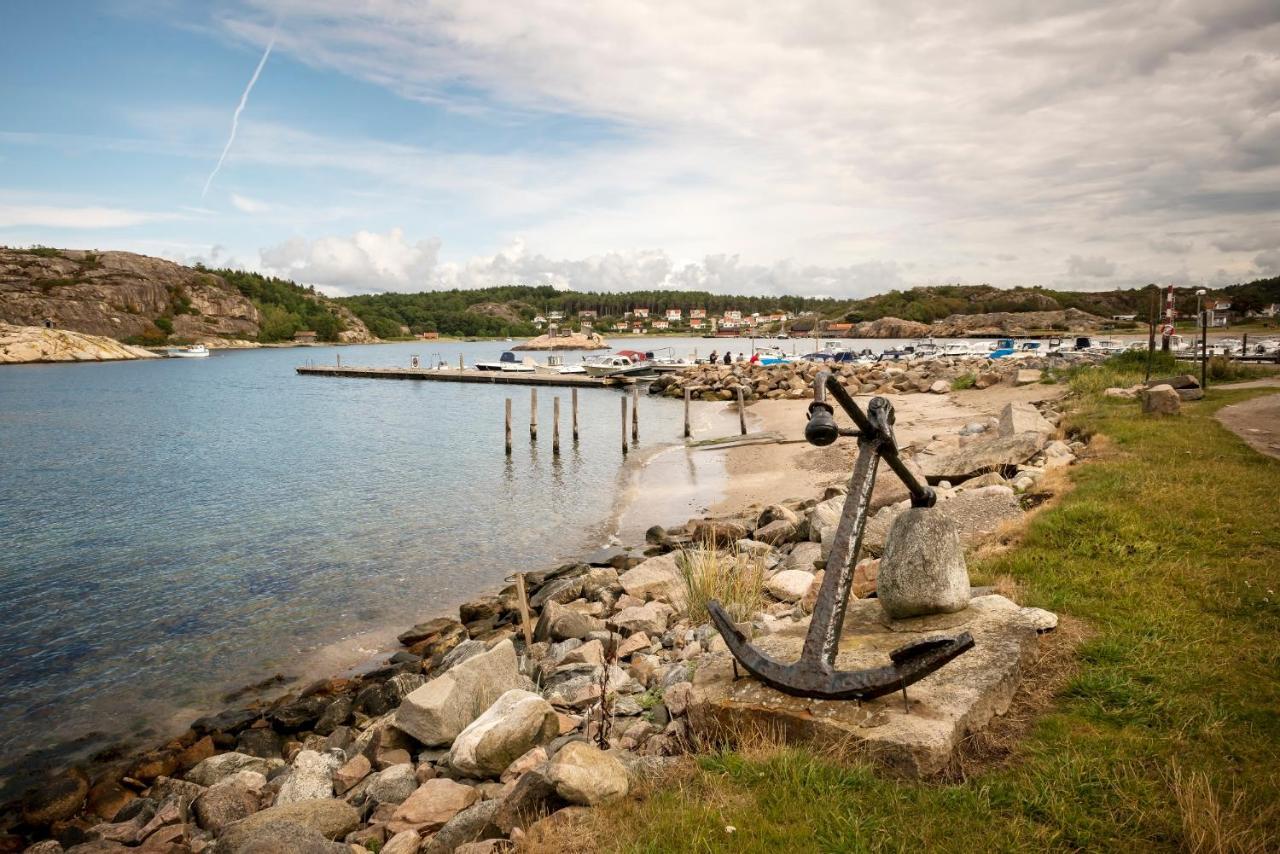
column 958, row 699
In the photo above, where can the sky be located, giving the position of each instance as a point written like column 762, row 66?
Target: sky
column 827, row 148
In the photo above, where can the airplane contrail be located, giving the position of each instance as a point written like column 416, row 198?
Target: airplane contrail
column 235, row 118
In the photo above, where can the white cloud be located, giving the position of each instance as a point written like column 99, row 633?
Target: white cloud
column 831, row 133
column 249, row 205
column 368, row 263
column 51, row 216
column 1268, row 263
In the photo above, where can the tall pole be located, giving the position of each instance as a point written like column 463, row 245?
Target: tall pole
column 533, row 415
column 1204, row 343
column 635, row 415
column 575, row 414
column 508, row 427
column 688, row 392
column 555, row 427
column 1151, row 334
column 1170, row 314
column 742, row 411
column 623, row 401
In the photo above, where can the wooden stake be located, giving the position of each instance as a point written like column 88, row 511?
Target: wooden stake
column 533, row 415
column 623, row 401
column 460, row 365
column 635, row 414
column 574, row 392
column 508, row 427
column 688, row 393
column 524, row 610
column 555, row 427
column 742, row 412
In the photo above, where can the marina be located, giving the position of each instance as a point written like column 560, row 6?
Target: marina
column 464, row 375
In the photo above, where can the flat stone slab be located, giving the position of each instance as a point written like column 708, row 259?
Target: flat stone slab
column 945, row 706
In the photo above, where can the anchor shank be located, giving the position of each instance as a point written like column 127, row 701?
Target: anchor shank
column 823, row 640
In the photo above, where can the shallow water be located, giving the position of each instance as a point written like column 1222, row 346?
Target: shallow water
column 174, row 529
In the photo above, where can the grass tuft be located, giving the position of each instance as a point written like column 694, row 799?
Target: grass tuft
column 734, row 578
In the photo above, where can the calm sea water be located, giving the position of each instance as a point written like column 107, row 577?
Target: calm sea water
column 173, row 529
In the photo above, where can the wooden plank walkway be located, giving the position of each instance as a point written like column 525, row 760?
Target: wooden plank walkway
column 453, row 375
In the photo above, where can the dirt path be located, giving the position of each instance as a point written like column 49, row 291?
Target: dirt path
column 1256, row 421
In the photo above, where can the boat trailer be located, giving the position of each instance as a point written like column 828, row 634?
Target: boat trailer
column 814, row 674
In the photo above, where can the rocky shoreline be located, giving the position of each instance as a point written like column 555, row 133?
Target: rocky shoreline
column 470, row 738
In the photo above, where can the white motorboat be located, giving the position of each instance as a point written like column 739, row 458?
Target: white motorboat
column 956, row 349
column 195, row 351
column 555, row 365
column 627, row 363
column 506, row 362
column 1107, row 347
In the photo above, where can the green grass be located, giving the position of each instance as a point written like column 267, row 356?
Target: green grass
column 1166, row 737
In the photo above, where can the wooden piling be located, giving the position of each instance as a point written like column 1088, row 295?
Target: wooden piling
column 461, row 366
column 525, row 624
column 742, row 411
column 533, row 415
column 508, row 427
column 635, row 415
column 623, row 401
column 555, row 427
column 574, row 393
column 688, row 394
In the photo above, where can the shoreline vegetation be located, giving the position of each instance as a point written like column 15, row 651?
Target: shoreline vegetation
column 365, row 757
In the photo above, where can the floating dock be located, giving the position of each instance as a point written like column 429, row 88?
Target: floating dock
column 454, row 375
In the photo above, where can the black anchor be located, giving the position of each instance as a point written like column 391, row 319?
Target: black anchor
column 814, row 674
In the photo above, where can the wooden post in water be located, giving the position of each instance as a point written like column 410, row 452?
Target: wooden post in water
column 635, row 415
column 460, row 367
column 574, row 393
column 339, row 357
column 688, row 393
column 555, row 427
column 508, row 427
column 533, row 415
column 742, row 411
column 524, row 610
column 623, row 401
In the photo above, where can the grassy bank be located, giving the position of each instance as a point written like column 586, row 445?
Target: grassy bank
column 1166, row 733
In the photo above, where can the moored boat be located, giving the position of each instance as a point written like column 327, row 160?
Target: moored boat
column 506, row 362
column 195, row 351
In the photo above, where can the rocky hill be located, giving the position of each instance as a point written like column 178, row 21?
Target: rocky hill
column 138, row 299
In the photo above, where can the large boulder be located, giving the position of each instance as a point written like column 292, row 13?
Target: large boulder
column 1161, row 400
column 435, row 713
column 516, row 723
column 923, row 570
column 431, row 806
column 804, row 556
column 56, row 799
column 650, row 618
column 980, row 457
column 584, row 774
column 473, row 824
column 330, row 818
column 560, row 622
column 1017, row 417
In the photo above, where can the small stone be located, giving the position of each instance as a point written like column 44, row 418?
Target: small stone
column 1027, row 376
column 591, row 652
column 473, row 824
column 216, row 768
column 229, row 801
column 656, row 578
column 864, row 577
column 638, row 642
column 940, row 387
column 57, row 799
column 331, row 819
column 650, row 618
column 789, row 585
column 355, row 770
column 1017, row 417
column 393, row 785
column 404, row 842
column 310, row 778
column 431, row 806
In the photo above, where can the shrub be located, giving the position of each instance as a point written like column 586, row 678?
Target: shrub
column 165, row 325
column 964, row 381
column 735, row 579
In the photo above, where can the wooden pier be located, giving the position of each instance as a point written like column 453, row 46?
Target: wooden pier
column 454, row 375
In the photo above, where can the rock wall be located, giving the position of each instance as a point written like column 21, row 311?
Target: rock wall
column 119, row 294
column 21, row 344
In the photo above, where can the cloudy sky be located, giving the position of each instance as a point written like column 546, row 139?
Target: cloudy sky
column 837, row 147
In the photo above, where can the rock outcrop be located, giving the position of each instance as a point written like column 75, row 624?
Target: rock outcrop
column 1016, row 323
column 19, row 344
column 571, row 341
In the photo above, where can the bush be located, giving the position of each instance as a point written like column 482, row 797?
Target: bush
column 963, row 381
column 164, row 324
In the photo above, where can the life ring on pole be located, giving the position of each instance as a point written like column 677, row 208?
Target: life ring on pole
column 413, row 361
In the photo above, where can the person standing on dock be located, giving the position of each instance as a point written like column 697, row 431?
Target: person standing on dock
column 714, row 357
column 728, row 357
